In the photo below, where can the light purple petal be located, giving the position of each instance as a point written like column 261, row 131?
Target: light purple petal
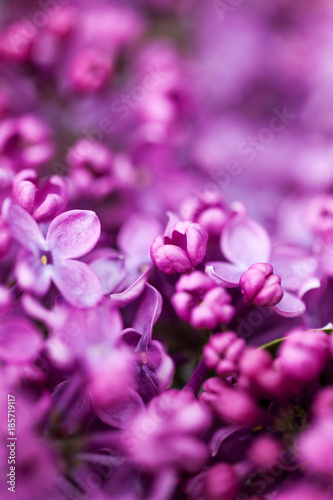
column 310, row 284
column 173, row 219
column 166, row 369
column 290, row 306
column 77, row 283
column 23, row 227
column 124, row 298
column 119, row 413
column 31, row 274
column 294, row 266
column 244, row 242
column 109, row 266
column 137, row 235
column 148, row 313
column 224, row 274
column 19, row 341
column 73, row 234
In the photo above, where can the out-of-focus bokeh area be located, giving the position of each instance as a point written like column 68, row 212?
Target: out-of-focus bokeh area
column 213, row 96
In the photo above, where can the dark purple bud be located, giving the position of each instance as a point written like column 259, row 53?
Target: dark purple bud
column 260, row 286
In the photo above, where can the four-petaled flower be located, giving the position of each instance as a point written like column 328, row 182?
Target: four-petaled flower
column 70, row 235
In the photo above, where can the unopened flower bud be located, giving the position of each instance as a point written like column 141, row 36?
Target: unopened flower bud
column 221, row 483
column 303, row 354
column 182, row 251
column 260, row 286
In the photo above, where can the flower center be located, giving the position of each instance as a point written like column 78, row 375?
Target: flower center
column 46, row 258
column 43, row 260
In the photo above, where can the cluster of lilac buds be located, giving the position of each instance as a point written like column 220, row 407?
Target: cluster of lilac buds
column 166, row 250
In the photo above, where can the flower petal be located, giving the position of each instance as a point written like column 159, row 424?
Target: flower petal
column 244, row 242
column 137, row 235
column 294, row 266
column 147, row 314
column 23, row 227
column 290, row 306
column 131, row 293
column 77, row 283
column 19, row 341
column 31, row 274
column 224, row 274
column 74, row 233
column 109, row 266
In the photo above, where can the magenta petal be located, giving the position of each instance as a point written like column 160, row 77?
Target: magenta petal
column 74, row 233
column 137, row 235
column 23, row 227
column 109, row 266
column 224, row 274
column 122, row 299
column 294, row 266
column 171, row 259
column 31, row 274
column 197, row 239
column 290, row 306
column 244, row 242
column 19, row 341
column 119, row 413
column 51, row 205
column 148, row 313
column 77, row 283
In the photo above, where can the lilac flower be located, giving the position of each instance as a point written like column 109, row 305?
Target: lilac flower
column 20, row 342
column 181, row 248
column 124, row 274
column 169, row 433
column 26, row 141
column 70, row 235
column 303, row 354
column 208, row 211
column 247, row 246
column 202, row 303
column 221, row 482
column 154, row 367
column 314, row 445
column 91, row 163
column 222, row 353
column 90, row 69
column 260, row 374
column 260, row 286
column 265, row 452
column 236, row 407
column 42, row 202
